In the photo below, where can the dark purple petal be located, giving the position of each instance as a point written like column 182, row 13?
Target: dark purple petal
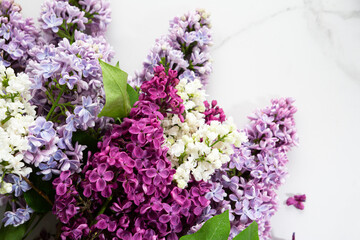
column 102, row 168
column 94, row 176
column 151, row 172
column 60, row 189
column 164, row 173
column 164, row 218
column 174, row 220
column 108, row 176
column 100, row 184
column 101, row 224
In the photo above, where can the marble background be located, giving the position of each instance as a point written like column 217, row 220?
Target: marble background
column 305, row 49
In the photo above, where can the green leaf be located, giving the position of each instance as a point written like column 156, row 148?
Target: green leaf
column 34, row 200
column 250, row 233
column 216, row 228
column 117, row 103
column 133, row 95
column 13, row 233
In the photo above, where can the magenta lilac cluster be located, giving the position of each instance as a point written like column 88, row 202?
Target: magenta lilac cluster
column 297, row 201
column 184, row 49
column 246, row 186
column 17, row 36
column 132, row 176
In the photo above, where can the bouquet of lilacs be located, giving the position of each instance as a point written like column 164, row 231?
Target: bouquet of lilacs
column 118, row 157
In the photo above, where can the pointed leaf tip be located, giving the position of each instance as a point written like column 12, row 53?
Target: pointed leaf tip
column 117, row 101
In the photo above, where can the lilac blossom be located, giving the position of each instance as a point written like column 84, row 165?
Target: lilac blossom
column 20, row 35
column 256, row 169
column 132, row 167
column 70, row 81
column 185, row 49
column 51, row 22
column 297, row 201
column 18, row 217
column 61, row 18
column 82, row 99
column 19, row 186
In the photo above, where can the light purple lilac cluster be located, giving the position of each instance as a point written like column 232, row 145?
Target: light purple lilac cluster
column 51, row 152
column 129, row 182
column 62, row 18
column 20, row 211
column 246, row 186
column 184, row 49
column 67, row 89
column 17, row 36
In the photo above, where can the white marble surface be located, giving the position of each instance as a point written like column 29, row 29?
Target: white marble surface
column 309, row 50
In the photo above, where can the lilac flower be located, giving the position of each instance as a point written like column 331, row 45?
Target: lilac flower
column 187, row 74
column 51, row 22
column 131, row 165
column 48, row 168
column 90, row 69
column 48, row 69
column 70, row 81
column 17, row 36
column 18, row 185
column 158, row 173
column 5, row 31
column 87, row 111
column 13, row 50
column 46, row 53
column 100, row 176
column 88, row 16
column 71, row 122
column 257, row 168
column 42, row 129
column 185, row 49
column 104, row 222
column 73, row 160
column 62, row 183
column 217, row 193
column 202, row 37
column 171, row 214
column 4, row 62
column 18, row 217
column 297, row 201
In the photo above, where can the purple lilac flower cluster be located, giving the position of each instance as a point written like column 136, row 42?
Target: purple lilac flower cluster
column 62, row 18
column 20, row 211
column 132, row 176
column 17, row 36
column 185, row 49
column 51, row 152
column 68, row 90
column 246, row 186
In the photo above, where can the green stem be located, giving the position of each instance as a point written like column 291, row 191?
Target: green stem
column 55, row 104
column 220, row 139
column 5, row 120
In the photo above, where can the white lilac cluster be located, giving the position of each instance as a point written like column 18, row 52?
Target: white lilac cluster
column 16, row 115
column 196, row 148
